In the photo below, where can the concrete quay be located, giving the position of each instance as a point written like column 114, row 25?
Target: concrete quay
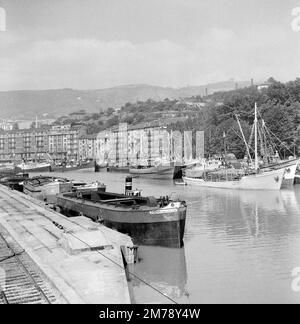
column 62, row 260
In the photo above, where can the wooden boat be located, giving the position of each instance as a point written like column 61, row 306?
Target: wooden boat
column 149, row 221
column 290, row 167
column 14, row 181
column 46, row 188
column 155, row 172
column 259, row 180
column 269, row 180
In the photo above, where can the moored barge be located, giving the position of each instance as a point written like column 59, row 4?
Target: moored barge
column 148, row 220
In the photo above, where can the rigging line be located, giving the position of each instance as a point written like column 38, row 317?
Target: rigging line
column 271, row 133
column 117, row 264
column 272, row 142
column 236, row 133
column 281, row 142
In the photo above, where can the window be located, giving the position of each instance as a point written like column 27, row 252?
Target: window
column 2, row 143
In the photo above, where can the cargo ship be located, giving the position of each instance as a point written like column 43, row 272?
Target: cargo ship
column 148, row 220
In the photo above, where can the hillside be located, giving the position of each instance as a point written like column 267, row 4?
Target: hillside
column 27, row 104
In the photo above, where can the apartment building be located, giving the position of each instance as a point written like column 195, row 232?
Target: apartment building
column 64, row 142
column 23, row 144
column 60, row 142
column 141, row 144
column 87, row 147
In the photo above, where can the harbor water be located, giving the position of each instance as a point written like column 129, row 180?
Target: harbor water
column 239, row 246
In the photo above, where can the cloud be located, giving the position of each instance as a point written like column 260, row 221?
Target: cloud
column 217, row 55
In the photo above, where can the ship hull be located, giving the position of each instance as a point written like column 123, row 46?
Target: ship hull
column 118, row 169
column 47, row 192
column 290, row 171
column 32, row 169
column 146, row 227
column 165, row 173
column 89, row 165
column 271, row 180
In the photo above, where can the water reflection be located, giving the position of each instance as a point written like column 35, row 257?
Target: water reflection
column 165, row 269
column 247, row 213
column 250, row 242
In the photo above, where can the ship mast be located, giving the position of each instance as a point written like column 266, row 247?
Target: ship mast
column 255, row 134
column 243, row 135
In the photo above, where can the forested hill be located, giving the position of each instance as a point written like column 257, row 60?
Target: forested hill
column 28, row 104
column 279, row 106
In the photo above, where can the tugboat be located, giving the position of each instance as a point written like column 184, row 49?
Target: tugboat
column 148, row 220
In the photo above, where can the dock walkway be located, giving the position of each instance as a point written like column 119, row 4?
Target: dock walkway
column 48, row 258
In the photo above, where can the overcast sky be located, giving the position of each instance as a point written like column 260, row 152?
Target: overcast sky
column 103, row 43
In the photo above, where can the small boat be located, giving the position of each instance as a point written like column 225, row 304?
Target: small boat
column 94, row 186
column 46, row 188
column 155, row 172
column 14, row 181
column 198, row 169
column 148, row 220
column 34, row 167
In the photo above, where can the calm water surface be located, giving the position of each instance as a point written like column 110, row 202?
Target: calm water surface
column 240, row 246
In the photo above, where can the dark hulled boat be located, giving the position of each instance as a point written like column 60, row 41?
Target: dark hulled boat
column 155, row 172
column 149, row 221
column 14, row 181
column 122, row 169
column 64, row 167
column 46, row 188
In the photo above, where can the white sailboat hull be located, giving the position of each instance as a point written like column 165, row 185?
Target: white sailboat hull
column 290, row 168
column 289, row 176
column 271, row 180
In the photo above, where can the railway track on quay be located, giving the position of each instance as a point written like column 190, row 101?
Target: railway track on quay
column 21, row 281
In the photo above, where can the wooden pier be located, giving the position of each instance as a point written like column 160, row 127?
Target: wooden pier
column 48, row 258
